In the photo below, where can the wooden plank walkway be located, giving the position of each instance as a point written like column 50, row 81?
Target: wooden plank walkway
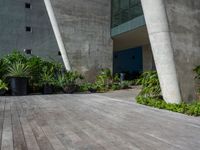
column 92, row 122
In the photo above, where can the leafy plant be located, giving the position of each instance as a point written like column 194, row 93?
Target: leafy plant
column 14, row 57
column 18, row 69
column 3, row 68
column 125, row 84
column 150, row 84
column 189, row 109
column 197, row 71
column 40, row 66
column 68, row 81
column 88, row 87
column 68, row 78
column 47, row 76
column 104, row 80
column 3, row 85
column 115, row 86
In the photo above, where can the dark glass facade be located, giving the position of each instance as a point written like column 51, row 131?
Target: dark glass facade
column 125, row 10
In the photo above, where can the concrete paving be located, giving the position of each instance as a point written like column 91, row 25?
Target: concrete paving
column 92, row 122
column 126, row 95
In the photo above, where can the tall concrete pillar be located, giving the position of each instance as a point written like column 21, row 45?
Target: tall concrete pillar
column 57, row 34
column 159, row 34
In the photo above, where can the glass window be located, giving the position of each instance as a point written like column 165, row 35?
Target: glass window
column 125, row 10
column 124, row 4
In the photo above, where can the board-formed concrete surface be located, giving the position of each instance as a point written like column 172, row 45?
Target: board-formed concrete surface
column 92, row 122
column 85, row 30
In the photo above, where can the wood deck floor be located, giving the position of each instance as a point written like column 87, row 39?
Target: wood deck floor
column 92, row 122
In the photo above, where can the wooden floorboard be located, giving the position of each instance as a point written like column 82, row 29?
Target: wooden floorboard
column 92, row 122
column 18, row 135
column 2, row 108
column 7, row 135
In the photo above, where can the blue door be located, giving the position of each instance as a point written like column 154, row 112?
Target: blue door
column 128, row 61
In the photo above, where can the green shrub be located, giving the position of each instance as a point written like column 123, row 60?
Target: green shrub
column 37, row 64
column 115, row 86
column 47, row 76
column 14, row 57
column 104, row 80
column 3, row 69
column 68, row 81
column 91, row 87
column 3, row 85
column 150, row 84
column 197, row 71
column 189, row 109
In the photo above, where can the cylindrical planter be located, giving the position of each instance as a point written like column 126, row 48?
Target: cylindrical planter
column 19, row 86
column 47, row 89
column 2, row 92
column 122, row 77
column 92, row 90
column 69, row 89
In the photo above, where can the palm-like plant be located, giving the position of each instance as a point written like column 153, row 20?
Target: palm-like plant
column 18, row 69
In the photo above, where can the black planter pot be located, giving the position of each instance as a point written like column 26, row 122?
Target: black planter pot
column 70, row 89
column 92, row 90
column 19, row 86
column 2, row 92
column 47, row 89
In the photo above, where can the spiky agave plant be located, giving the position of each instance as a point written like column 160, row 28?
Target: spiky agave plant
column 18, row 69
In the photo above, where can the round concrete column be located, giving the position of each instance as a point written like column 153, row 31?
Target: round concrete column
column 157, row 25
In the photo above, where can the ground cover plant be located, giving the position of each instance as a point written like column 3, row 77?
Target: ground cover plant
column 192, row 109
column 151, row 95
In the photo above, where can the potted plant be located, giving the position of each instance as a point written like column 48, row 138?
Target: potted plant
column 47, row 80
column 18, row 74
column 67, row 81
column 3, row 87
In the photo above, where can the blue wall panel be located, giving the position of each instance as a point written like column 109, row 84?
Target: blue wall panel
column 129, row 60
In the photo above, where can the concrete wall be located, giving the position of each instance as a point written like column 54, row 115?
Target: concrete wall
column 14, row 17
column 184, row 24
column 85, row 30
